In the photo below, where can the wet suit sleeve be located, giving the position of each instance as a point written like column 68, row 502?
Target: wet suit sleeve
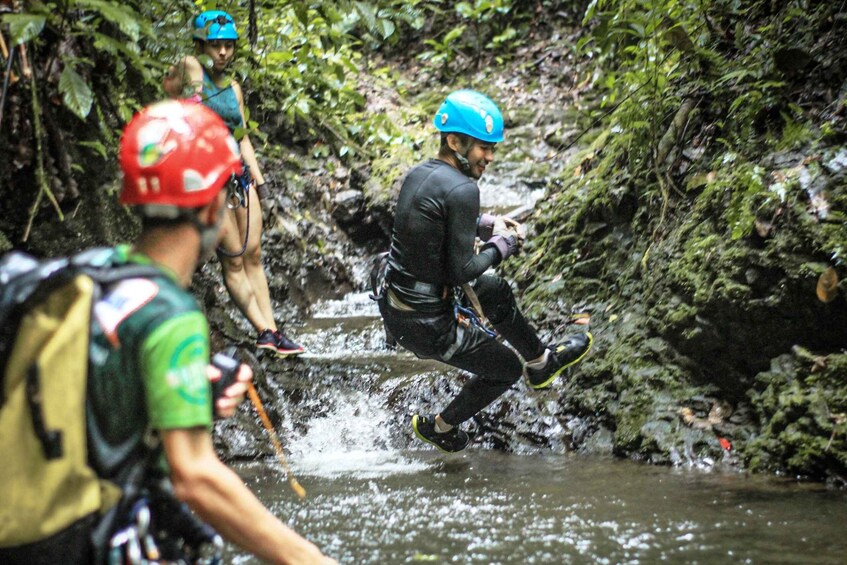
column 462, row 211
column 174, row 358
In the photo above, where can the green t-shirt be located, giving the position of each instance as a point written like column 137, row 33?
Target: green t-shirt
column 149, row 353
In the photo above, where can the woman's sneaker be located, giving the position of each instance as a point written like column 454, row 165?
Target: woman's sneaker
column 278, row 343
column 285, row 346
column 565, row 354
column 451, row 442
column 266, row 340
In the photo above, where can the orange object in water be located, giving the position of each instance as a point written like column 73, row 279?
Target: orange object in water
column 257, row 404
column 725, row 443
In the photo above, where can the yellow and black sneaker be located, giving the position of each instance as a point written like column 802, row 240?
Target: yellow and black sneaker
column 450, row 442
column 565, row 354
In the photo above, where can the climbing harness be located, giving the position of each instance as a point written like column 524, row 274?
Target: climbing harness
column 378, row 275
column 238, row 196
column 472, row 316
column 381, row 273
column 467, row 317
column 239, row 187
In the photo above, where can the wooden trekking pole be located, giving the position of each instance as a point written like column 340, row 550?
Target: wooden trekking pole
column 257, row 404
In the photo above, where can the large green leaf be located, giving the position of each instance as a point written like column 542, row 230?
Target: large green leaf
column 76, row 93
column 23, row 27
column 454, row 34
column 368, row 14
column 114, row 46
column 386, row 27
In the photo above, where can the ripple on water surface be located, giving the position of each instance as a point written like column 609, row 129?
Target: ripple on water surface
column 487, row 507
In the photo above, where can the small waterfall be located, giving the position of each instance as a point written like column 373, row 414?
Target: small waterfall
column 351, row 439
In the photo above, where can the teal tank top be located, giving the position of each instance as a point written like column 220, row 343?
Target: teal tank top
column 222, row 101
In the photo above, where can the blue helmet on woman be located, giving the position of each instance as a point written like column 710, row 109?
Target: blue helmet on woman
column 214, row 24
column 471, row 113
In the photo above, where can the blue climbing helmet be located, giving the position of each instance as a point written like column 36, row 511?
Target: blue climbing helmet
column 471, row 113
column 214, row 24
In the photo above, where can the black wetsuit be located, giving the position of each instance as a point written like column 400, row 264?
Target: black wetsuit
column 432, row 252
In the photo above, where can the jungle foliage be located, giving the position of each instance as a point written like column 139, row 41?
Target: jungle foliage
column 78, row 69
column 706, row 203
column 711, row 135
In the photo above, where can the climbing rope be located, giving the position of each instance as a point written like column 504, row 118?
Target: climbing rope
column 239, row 197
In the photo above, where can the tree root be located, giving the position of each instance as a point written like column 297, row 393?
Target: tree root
column 67, row 187
column 40, row 177
column 671, row 137
column 664, row 149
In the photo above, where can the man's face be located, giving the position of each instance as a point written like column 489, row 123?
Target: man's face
column 479, row 156
column 478, row 153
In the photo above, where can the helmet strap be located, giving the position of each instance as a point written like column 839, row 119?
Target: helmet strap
column 208, row 233
column 464, row 164
column 465, row 145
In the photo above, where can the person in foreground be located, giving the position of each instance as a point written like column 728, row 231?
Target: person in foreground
column 432, row 252
column 215, row 36
column 150, row 346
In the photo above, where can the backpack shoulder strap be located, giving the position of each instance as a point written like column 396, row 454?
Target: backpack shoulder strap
column 98, row 264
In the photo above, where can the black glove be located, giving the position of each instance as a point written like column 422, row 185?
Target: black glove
column 507, row 245
column 505, row 239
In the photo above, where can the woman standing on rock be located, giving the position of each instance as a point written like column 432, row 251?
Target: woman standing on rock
column 215, row 37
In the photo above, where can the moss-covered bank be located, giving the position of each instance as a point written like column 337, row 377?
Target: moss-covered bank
column 701, row 272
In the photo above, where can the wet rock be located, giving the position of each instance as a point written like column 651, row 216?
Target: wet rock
column 348, row 207
column 836, row 164
column 600, row 442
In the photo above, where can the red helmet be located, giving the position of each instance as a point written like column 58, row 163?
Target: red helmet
column 176, row 153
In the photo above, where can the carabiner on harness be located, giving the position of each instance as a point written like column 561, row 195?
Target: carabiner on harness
column 134, row 544
column 239, row 197
column 239, row 188
column 467, row 317
column 162, row 530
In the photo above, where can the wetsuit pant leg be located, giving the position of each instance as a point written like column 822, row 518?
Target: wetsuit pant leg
column 495, row 367
column 499, row 305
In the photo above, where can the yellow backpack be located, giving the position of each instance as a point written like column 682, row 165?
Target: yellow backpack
column 45, row 316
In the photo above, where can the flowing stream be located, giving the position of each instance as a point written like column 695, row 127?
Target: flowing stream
column 375, row 499
column 377, row 495
column 488, row 507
